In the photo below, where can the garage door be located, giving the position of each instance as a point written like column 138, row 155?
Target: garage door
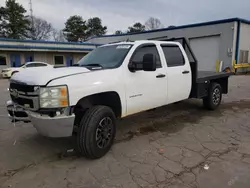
column 206, row 50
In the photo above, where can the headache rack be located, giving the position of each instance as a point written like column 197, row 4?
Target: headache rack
column 184, row 42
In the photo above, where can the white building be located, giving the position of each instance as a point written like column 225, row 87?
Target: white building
column 14, row 53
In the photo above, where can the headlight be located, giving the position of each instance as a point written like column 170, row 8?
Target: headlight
column 54, row 97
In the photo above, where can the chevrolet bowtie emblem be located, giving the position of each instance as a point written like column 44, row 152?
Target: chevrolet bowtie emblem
column 15, row 93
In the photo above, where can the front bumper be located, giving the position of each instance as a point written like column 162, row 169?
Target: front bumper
column 54, row 127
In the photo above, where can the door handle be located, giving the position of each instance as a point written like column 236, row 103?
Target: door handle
column 185, row 72
column 161, row 76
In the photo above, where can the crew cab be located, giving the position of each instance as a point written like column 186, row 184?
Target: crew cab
column 112, row 82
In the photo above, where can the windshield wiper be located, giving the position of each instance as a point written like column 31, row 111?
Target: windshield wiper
column 93, row 65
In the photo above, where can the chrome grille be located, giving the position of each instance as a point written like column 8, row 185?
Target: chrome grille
column 28, row 103
column 24, row 95
column 22, row 87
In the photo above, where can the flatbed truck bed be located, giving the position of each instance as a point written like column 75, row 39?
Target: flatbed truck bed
column 202, row 82
column 210, row 75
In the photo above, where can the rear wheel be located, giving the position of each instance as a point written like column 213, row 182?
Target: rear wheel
column 96, row 132
column 213, row 100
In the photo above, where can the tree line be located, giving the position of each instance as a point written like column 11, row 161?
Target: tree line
column 16, row 24
column 150, row 24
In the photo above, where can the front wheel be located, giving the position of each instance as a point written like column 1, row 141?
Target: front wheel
column 213, row 99
column 96, row 132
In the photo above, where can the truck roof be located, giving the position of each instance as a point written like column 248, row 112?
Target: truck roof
column 142, row 42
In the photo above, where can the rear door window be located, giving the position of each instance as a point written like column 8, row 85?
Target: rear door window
column 30, row 65
column 40, row 65
column 173, row 55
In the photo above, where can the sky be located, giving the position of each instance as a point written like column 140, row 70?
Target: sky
column 119, row 14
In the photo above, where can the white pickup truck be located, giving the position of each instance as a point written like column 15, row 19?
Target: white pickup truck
column 113, row 81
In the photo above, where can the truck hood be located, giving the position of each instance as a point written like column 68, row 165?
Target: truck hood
column 41, row 75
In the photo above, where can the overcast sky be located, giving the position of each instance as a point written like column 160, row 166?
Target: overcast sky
column 119, row 14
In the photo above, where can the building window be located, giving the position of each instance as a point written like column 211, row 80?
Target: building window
column 59, row 60
column 30, row 58
column 3, row 60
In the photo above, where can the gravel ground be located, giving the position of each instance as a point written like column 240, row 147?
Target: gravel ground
column 180, row 145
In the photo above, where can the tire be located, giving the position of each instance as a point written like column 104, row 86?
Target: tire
column 178, row 102
column 97, row 125
column 213, row 100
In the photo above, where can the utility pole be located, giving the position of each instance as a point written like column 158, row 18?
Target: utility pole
column 31, row 17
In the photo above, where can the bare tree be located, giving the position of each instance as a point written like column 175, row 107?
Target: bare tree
column 118, row 32
column 41, row 29
column 58, row 36
column 153, row 23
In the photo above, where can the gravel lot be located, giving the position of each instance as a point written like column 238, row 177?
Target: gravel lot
column 180, row 145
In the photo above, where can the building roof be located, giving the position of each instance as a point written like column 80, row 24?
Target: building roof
column 38, row 45
column 182, row 27
column 42, row 48
column 48, row 42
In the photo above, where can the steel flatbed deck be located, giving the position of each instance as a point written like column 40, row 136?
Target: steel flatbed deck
column 203, row 76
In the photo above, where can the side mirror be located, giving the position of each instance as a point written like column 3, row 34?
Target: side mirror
column 134, row 66
column 149, row 62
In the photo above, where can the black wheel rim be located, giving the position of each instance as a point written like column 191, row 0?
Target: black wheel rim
column 216, row 96
column 104, row 132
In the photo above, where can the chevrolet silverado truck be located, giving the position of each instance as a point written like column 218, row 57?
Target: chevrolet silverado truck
column 113, row 81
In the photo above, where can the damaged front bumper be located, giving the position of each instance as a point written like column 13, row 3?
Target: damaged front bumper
column 58, row 126
column 17, row 113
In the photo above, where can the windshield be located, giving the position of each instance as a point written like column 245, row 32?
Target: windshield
column 21, row 66
column 106, row 57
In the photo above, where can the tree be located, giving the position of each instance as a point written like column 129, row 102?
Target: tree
column 95, row 27
column 153, row 23
column 171, row 26
column 2, row 22
column 137, row 27
column 14, row 23
column 58, row 36
column 41, row 29
column 75, row 29
column 118, row 32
